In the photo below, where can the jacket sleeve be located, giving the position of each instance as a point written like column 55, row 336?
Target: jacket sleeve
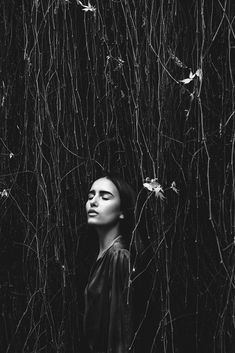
column 119, row 335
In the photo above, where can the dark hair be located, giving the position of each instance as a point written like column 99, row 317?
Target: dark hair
column 128, row 200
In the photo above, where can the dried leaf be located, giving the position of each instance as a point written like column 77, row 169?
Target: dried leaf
column 88, row 7
column 198, row 73
column 191, row 75
column 159, row 192
column 148, row 186
column 154, row 186
column 4, row 193
column 173, row 187
column 186, row 81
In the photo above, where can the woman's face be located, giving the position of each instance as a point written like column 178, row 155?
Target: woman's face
column 103, row 204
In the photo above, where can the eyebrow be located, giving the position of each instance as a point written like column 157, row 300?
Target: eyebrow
column 101, row 192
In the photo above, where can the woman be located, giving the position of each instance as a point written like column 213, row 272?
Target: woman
column 107, row 319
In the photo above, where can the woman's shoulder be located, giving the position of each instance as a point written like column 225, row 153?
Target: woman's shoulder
column 119, row 250
column 120, row 245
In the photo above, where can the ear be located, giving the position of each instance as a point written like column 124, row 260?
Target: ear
column 121, row 216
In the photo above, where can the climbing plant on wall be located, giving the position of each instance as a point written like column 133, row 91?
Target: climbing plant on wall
column 145, row 88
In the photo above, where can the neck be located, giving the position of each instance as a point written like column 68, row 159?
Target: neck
column 106, row 237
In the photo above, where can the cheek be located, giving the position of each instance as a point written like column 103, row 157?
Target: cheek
column 112, row 211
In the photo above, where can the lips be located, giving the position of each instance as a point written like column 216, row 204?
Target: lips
column 92, row 212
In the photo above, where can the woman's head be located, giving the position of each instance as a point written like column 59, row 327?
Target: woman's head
column 111, row 202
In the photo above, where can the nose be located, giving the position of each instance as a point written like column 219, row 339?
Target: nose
column 93, row 202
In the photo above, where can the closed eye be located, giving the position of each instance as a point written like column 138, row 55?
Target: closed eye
column 106, row 197
column 90, row 196
column 104, row 194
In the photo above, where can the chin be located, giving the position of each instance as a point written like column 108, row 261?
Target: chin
column 92, row 222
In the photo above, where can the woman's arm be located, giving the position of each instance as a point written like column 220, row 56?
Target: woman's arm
column 119, row 335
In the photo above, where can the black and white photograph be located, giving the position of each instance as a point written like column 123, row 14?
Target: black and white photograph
column 117, row 176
